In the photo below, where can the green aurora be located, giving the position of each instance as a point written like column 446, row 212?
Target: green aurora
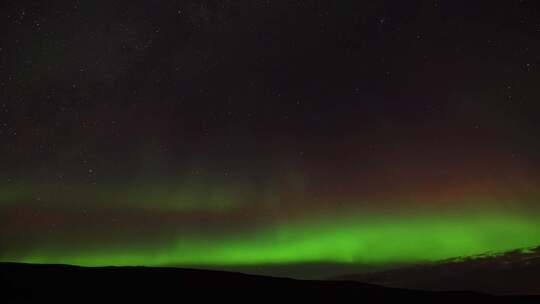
column 209, row 224
column 357, row 239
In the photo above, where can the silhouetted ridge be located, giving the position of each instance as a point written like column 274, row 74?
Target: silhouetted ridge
column 512, row 272
column 31, row 282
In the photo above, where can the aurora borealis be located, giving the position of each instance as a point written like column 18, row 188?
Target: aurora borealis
column 248, row 133
column 220, row 226
column 420, row 239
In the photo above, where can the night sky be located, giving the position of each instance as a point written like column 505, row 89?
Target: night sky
column 229, row 133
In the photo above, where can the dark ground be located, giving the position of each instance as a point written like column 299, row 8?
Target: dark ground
column 58, row 283
column 514, row 272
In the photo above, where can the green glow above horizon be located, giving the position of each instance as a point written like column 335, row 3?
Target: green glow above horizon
column 353, row 239
column 264, row 228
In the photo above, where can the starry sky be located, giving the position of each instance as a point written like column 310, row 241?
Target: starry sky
column 229, row 133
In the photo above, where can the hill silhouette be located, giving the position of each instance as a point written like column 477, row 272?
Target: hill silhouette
column 24, row 283
column 512, row 272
